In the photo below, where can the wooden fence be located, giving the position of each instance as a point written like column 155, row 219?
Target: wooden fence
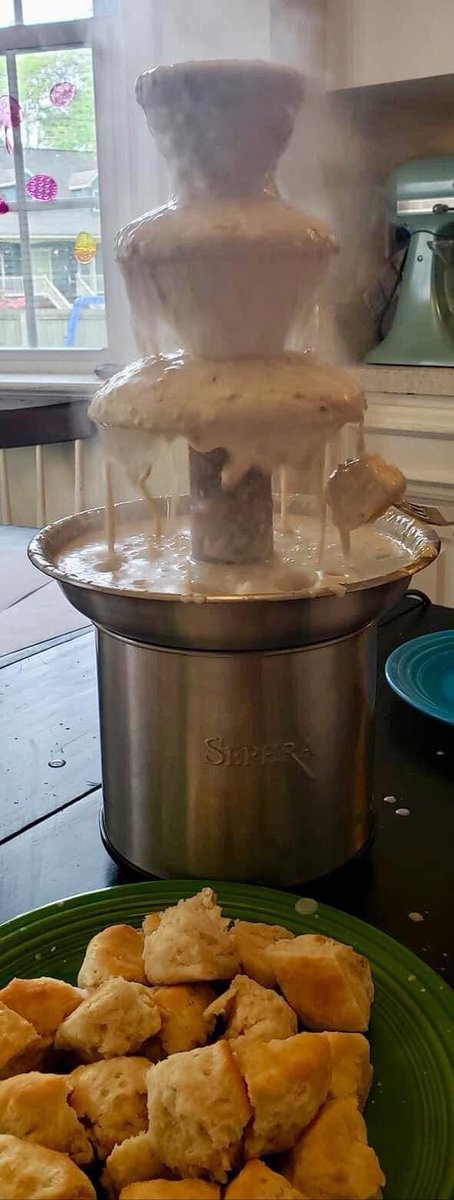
column 52, row 325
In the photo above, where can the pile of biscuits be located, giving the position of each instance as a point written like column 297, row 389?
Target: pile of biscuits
column 175, row 1070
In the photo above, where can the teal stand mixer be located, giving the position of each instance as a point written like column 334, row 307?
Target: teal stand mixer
column 420, row 209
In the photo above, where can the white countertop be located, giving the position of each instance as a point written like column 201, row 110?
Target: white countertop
column 410, row 381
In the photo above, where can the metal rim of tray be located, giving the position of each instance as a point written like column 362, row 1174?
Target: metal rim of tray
column 50, row 541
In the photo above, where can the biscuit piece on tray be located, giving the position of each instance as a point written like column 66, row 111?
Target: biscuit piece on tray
column 116, row 951
column 186, row 1021
column 287, row 1082
column 332, row 1160
column 191, row 944
column 198, row 1109
column 131, row 1161
column 110, row 1099
column 352, row 1070
column 258, row 1182
column 172, row 1189
column 44, row 1002
column 328, row 984
column 252, row 1011
column 116, row 1019
column 21, row 1047
column 36, row 1107
column 28, row 1171
column 151, row 922
column 252, row 939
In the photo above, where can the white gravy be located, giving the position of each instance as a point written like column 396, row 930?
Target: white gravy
column 148, row 563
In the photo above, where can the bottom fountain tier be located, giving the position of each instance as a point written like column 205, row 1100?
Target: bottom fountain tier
column 242, row 746
column 157, row 594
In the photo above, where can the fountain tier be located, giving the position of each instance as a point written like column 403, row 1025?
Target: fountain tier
column 226, row 268
column 243, row 419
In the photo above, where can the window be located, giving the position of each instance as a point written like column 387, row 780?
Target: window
column 52, row 293
column 38, row 11
column 7, row 13
column 62, row 303
column 35, row 11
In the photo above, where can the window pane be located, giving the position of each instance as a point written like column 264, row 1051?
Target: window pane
column 51, row 282
column 6, row 13
column 37, row 11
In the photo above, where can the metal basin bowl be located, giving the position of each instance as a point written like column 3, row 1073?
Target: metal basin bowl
column 236, row 734
column 230, row 622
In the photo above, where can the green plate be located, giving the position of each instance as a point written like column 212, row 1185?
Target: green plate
column 410, row 1112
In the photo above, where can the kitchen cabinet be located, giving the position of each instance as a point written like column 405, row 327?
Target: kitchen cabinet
column 384, row 41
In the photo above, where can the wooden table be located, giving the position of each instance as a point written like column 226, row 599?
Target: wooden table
column 50, row 846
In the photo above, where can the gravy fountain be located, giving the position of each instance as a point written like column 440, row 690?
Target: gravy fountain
column 236, row 626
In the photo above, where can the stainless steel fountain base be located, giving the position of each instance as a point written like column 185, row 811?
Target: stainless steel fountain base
column 236, row 734
column 250, row 766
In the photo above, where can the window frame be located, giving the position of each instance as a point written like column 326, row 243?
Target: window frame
column 94, row 33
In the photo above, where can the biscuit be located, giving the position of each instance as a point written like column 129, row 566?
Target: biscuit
column 116, row 951
column 151, row 922
column 21, row 1047
column 332, row 1160
column 327, row 983
column 198, row 1109
column 110, row 1099
column 252, row 1011
column 184, row 1009
column 36, row 1107
column 192, row 943
column 116, row 1019
column 257, row 1182
column 363, row 488
column 287, row 1082
column 252, row 939
column 44, row 1002
column 130, row 1162
column 172, row 1189
column 352, row 1070
column 28, row 1171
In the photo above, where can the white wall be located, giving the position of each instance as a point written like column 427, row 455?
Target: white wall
column 203, row 29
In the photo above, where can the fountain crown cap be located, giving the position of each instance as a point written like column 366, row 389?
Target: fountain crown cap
column 221, row 124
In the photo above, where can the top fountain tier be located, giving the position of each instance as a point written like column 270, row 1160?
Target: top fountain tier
column 227, row 268
column 221, row 126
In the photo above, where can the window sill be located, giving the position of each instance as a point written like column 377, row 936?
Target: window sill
column 23, row 388
column 43, row 412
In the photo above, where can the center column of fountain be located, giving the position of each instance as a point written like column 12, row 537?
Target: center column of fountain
column 233, row 525
column 222, row 128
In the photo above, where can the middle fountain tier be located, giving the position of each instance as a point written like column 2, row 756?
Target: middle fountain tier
column 227, row 276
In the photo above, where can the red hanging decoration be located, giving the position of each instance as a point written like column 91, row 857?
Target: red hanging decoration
column 10, row 118
column 62, row 94
column 41, row 187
